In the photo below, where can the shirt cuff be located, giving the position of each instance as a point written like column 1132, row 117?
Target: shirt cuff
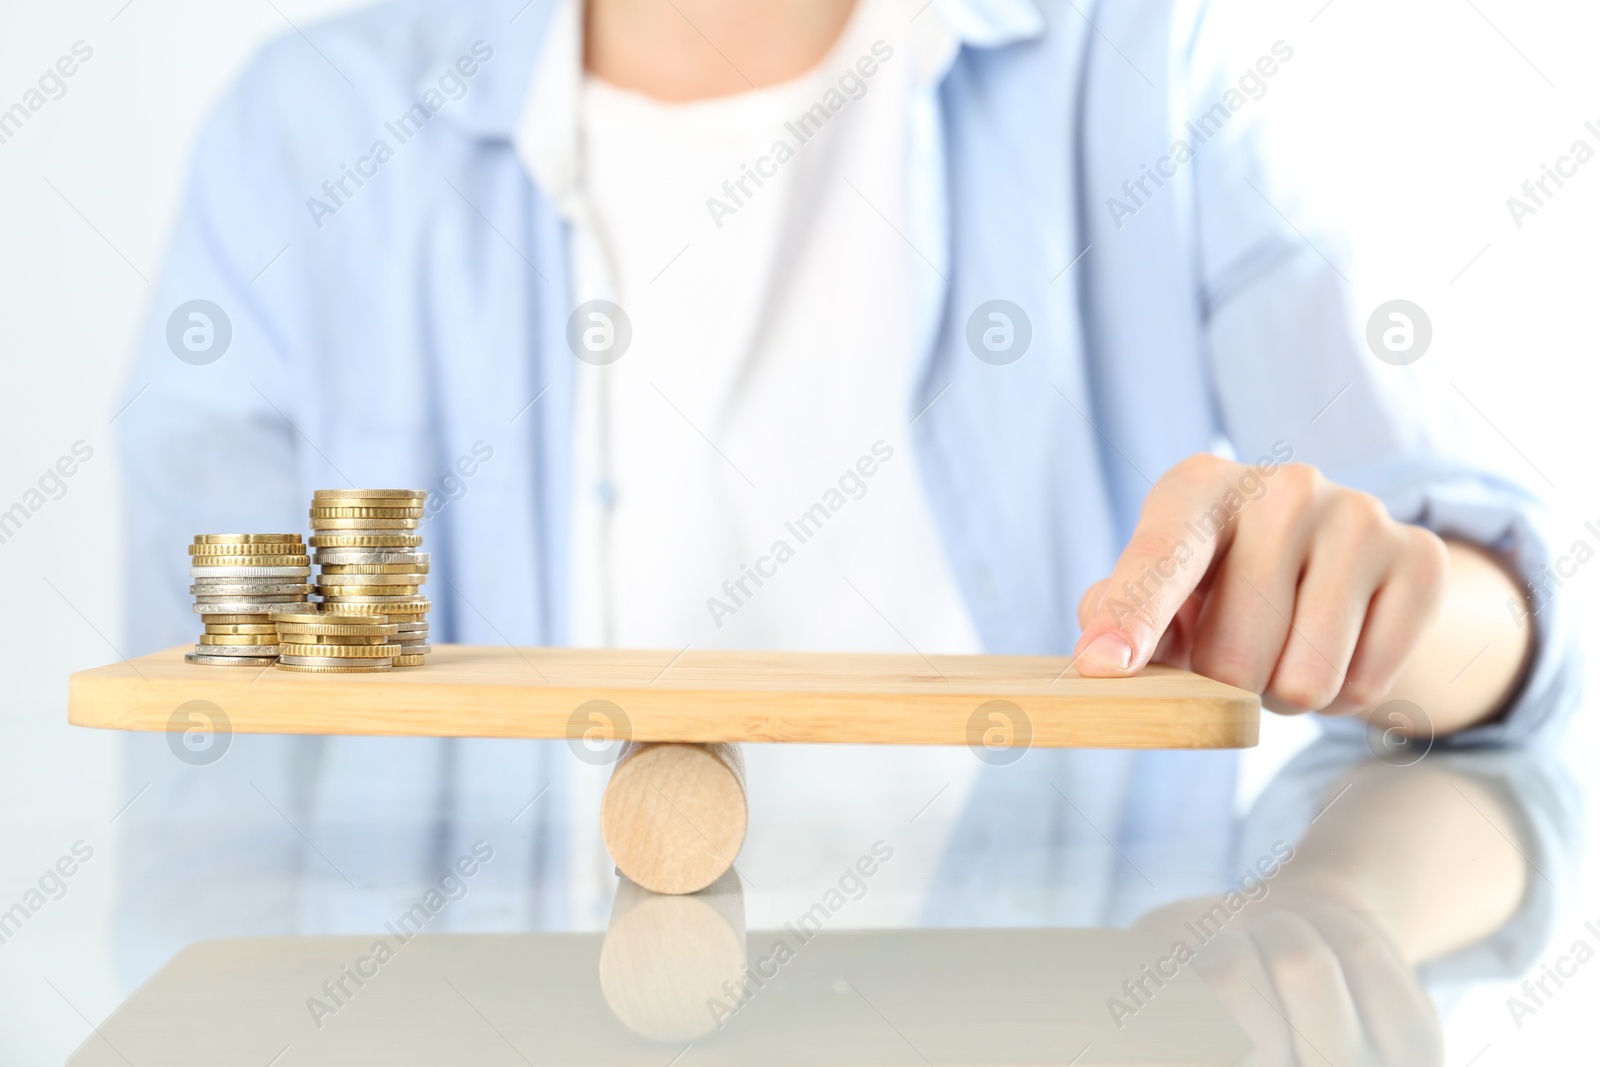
column 1503, row 519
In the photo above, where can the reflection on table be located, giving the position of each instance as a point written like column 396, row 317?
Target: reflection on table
column 1110, row 906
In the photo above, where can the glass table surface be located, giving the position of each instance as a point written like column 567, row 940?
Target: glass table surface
column 297, row 900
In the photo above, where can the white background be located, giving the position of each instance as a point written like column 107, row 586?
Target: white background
column 1422, row 118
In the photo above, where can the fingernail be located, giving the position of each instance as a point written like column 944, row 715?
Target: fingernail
column 1108, row 652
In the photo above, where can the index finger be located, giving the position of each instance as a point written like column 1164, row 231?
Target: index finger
column 1184, row 526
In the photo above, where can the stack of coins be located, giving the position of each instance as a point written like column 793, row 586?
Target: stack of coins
column 368, row 561
column 239, row 580
column 329, row 643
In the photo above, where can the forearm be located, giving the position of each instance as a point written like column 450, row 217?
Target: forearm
column 1468, row 664
column 1442, row 877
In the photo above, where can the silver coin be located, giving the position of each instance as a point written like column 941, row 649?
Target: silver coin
column 265, row 598
column 416, row 560
column 236, row 650
column 413, row 627
column 370, row 554
column 346, row 557
column 204, row 581
column 294, row 581
column 414, row 649
column 412, row 566
column 248, row 579
column 249, row 572
column 241, row 606
column 229, row 661
column 338, row 661
column 250, row 589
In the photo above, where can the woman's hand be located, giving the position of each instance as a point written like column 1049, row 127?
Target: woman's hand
column 1312, row 981
column 1273, row 579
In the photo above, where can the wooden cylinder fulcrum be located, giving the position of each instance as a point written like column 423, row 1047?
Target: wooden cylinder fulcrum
column 674, row 815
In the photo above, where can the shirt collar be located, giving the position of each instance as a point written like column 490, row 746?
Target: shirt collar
column 520, row 30
column 991, row 23
column 528, row 94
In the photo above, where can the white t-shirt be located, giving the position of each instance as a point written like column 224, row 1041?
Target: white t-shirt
column 745, row 476
column 760, row 411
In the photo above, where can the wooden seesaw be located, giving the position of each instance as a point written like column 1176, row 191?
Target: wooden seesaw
column 674, row 814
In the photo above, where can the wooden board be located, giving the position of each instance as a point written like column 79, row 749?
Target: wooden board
column 499, row 691
column 869, row 998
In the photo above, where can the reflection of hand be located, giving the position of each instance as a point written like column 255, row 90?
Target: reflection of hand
column 1312, row 983
column 1227, row 555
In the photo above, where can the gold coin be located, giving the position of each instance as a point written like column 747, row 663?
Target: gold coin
column 238, row 639
column 248, row 548
column 409, row 661
column 360, row 628
column 247, row 539
column 397, row 539
column 282, row 666
column 250, row 561
column 232, row 619
column 364, row 524
column 401, row 494
column 303, row 616
column 312, row 637
column 336, row 569
column 392, row 608
column 360, row 511
column 341, row 651
column 239, row 627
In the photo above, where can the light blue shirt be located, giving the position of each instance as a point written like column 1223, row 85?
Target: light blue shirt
column 395, row 313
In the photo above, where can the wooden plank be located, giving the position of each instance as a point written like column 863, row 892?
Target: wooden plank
column 499, row 691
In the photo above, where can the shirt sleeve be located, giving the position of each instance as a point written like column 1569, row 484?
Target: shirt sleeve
column 207, row 427
column 1541, row 799
column 1290, row 362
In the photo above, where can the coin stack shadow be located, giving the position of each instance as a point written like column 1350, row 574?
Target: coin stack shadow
column 368, row 563
column 239, row 580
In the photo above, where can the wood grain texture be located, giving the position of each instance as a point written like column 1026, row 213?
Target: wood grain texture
column 674, row 815
column 499, row 691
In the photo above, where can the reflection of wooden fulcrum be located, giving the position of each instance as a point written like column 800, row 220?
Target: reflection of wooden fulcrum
column 674, row 814
column 666, row 957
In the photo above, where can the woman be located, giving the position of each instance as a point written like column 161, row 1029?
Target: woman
column 828, row 325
